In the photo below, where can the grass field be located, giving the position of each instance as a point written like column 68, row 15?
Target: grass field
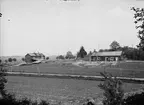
column 126, row 69
column 58, row 89
column 68, row 89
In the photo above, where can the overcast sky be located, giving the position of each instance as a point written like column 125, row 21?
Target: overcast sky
column 56, row 26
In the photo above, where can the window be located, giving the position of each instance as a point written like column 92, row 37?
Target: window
column 98, row 58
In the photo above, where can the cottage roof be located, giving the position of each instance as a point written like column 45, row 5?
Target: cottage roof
column 35, row 54
column 109, row 53
column 31, row 54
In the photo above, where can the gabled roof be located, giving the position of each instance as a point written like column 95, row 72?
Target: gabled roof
column 109, row 53
column 35, row 54
column 31, row 54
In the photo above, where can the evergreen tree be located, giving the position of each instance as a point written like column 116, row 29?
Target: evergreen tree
column 82, row 53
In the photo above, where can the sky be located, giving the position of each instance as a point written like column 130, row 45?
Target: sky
column 54, row 27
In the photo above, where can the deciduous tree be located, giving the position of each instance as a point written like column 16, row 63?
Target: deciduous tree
column 10, row 59
column 114, row 45
column 69, row 55
column 139, row 21
column 47, row 58
column 2, row 81
column 23, row 59
column 14, row 59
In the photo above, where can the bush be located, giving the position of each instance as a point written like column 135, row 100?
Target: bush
column 136, row 99
column 10, row 59
column 113, row 92
column 14, row 59
column 2, row 81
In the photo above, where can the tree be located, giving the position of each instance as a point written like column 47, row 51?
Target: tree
column 60, row 57
column 101, row 50
column 94, row 51
column 90, row 53
column 139, row 21
column 113, row 91
column 23, row 59
column 82, row 53
column 6, row 61
column 0, row 14
column 14, row 59
column 69, row 55
column 47, row 58
column 2, row 81
column 114, row 46
column 10, row 59
column 132, row 53
column 0, row 61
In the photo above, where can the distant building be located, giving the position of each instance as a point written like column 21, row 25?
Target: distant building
column 32, row 57
column 106, row 56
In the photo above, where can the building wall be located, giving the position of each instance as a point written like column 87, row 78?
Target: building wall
column 28, row 59
column 105, row 58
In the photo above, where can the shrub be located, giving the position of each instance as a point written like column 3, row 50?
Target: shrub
column 113, row 92
column 136, row 99
column 14, row 59
column 0, row 61
column 23, row 59
column 47, row 58
column 43, row 102
column 2, row 81
column 10, row 59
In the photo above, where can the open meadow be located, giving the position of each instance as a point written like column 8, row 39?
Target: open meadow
column 58, row 89
column 124, row 69
column 73, row 90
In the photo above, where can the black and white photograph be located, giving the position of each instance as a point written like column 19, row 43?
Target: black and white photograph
column 71, row 52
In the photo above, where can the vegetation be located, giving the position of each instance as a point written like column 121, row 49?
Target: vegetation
column 47, row 58
column 114, row 46
column 23, row 59
column 139, row 21
column 90, row 53
column 130, row 52
column 82, row 53
column 69, row 55
column 9, row 99
column 60, row 57
column 14, row 59
column 136, row 99
column 112, row 86
column 2, row 81
column 113, row 92
column 10, row 59
column 0, row 14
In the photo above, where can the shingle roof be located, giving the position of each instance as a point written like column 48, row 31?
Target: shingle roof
column 32, row 54
column 110, row 53
column 35, row 54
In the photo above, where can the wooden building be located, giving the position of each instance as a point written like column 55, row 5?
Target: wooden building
column 32, row 57
column 106, row 56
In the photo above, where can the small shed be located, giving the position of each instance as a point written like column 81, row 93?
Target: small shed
column 106, row 56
